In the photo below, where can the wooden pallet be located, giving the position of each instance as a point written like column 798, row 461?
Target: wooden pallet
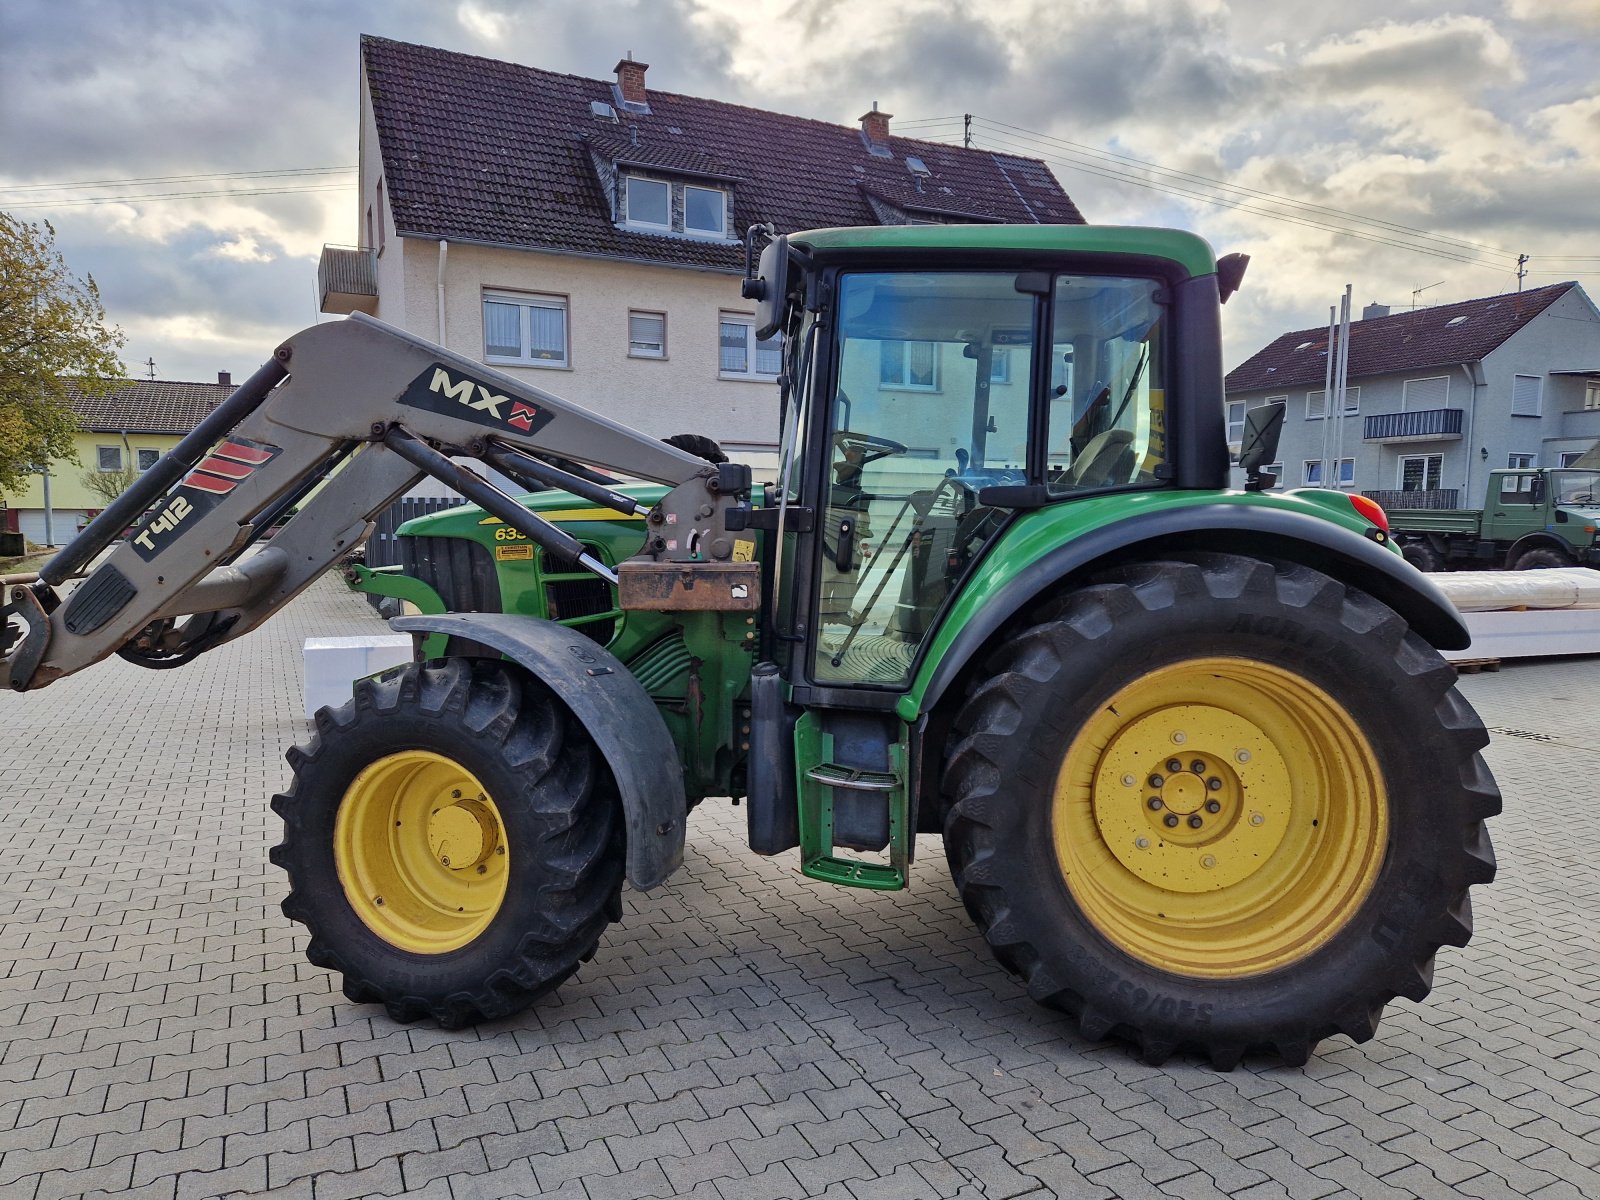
column 1471, row 666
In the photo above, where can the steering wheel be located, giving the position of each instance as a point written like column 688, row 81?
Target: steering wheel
column 868, row 447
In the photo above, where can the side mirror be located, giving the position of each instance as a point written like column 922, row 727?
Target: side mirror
column 1262, row 428
column 767, row 282
column 1536, row 490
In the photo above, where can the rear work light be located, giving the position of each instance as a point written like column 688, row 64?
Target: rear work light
column 1371, row 510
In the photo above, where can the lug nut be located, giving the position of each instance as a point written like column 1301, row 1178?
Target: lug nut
column 1213, row 784
column 1208, row 862
column 1257, row 819
column 1154, row 802
column 1143, row 843
column 1174, row 766
column 1127, row 780
column 1179, row 738
column 1156, row 781
column 1243, row 756
column 1195, row 822
column 1171, row 820
column 1213, row 806
column 1198, row 767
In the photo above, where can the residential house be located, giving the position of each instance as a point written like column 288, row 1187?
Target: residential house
column 124, row 430
column 586, row 234
column 1436, row 397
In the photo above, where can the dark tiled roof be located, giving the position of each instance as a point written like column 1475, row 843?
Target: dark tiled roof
column 480, row 150
column 148, row 406
column 1428, row 337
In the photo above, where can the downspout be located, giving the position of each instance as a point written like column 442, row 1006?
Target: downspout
column 1474, row 373
column 444, row 254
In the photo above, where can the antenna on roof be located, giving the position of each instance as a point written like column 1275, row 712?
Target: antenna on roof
column 151, row 363
column 1415, row 292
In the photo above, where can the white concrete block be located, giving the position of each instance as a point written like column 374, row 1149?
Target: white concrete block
column 1531, row 633
column 332, row 664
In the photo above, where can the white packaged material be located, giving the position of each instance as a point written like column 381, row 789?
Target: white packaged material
column 1489, row 591
column 332, row 664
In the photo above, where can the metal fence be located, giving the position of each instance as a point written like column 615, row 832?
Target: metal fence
column 1434, row 498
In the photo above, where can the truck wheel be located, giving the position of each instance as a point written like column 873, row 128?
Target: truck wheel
column 452, row 840
column 1540, row 559
column 1421, row 555
column 1219, row 804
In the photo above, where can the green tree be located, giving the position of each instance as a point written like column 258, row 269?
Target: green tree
column 53, row 334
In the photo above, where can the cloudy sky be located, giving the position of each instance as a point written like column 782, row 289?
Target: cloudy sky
column 1392, row 144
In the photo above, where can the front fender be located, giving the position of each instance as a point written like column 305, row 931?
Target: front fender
column 613, row 708
column 1258, row 528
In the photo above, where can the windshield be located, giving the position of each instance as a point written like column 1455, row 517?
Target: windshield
column 1576, row 487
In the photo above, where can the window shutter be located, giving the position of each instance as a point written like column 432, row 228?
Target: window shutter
column 1416, row 394
column 647, row 334
column 1525, row 391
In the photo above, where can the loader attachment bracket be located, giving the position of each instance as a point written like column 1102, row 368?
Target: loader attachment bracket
column 615, row 711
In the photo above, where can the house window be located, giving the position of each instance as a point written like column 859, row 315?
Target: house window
column 649, row 203
column 1568, row 457
column 704, row 211
column 108, row 458
column 370, row 240
column 1525, row 391
column 1276, row 471
column 1000, row 367
column 1313, row 472
column 1421, row 472
column 1418, row 394
column 148, row 459
column 526, row 330
column 1235, row 424
column 382, row 231
column 1591, row 396
column 1317, row 403
column 741, row 356
column 1521, row 462
column 647, row 335
column 909, row 366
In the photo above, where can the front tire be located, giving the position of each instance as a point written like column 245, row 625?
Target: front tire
column 453, row 842
column 1422, row 556
column 1219, row 804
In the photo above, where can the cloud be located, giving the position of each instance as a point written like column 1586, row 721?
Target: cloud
column 1481, row 124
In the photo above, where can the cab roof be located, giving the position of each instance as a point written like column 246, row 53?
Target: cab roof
column 1190, row 252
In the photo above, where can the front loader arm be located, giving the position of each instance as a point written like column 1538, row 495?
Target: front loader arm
column 345, row 418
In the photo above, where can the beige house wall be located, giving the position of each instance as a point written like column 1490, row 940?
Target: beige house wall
column 681, row 393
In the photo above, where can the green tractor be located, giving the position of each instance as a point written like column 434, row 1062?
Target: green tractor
column 1202, row 778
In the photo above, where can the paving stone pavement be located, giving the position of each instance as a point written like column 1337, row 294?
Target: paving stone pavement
column 743, row 1033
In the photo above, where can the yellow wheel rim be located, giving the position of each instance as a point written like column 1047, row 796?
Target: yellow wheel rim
column 421, row 852
column 1220, row 817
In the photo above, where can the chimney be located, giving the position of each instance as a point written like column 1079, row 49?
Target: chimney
column 875, row 126
column 225, row 378
column 1374, row 310
column 630, row 80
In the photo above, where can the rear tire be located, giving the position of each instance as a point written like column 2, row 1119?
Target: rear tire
column 1422, row 556
column 1541, row 558
column 467, row 758
column 1341, row 849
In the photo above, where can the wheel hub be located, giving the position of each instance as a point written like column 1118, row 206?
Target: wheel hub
column 1219, row 817
column 1195, row 814
column 420, row 852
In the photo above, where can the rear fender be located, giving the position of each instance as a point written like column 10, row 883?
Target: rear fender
column 615, row 710
column 1250, row 529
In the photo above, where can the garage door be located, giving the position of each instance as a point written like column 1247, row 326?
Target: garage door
column 64, row 523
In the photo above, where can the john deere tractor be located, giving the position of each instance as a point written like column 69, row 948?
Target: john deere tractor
column 1202, row 778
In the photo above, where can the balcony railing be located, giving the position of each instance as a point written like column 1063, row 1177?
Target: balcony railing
column 1423, row 425
column 1434, row 498
column 347, row 280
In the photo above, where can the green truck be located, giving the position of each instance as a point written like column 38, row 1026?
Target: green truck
column 1530, row 518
